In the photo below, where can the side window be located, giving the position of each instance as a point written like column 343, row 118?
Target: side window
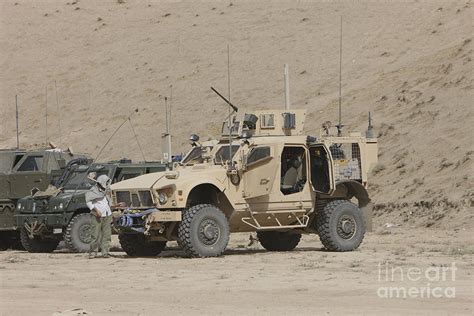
column 320, row 169
column 267, row 121
column 346, row 161
column 17, row 160
column 258, row 154
column 32, row 163
column 293, row 170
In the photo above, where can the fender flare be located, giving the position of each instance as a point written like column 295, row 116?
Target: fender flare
column 355, row 189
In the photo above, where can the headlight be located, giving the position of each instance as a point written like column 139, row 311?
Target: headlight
column 61, row 205
column 18, row 206
column 162, row 198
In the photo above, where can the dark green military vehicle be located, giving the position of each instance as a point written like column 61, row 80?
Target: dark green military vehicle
column 21, row 171
column 60, row 213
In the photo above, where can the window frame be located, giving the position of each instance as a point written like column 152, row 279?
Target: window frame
column 262, row 121
column 266, row 158
column 39, row 166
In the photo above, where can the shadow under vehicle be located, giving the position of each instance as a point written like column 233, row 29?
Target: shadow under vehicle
column 20, row 172
column 60, row 213
column 265, row 176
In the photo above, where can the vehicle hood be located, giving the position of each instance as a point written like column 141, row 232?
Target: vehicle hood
column 158, row 180
column 141, row 182
column 196, row 173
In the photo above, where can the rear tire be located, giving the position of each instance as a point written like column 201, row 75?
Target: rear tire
column 278, row 241
column 341, row 226
column 203, row 231
column 77, row 236
column 136, row 245
column 38, row 244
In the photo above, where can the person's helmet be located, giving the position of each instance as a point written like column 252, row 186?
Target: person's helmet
column 104, row 181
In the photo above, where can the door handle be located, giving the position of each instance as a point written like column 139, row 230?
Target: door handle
column 264, row 181
column 38, row 181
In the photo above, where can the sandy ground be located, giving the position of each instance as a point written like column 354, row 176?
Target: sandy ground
column 249, row 280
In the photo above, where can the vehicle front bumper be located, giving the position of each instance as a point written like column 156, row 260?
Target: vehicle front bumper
column 54, row 220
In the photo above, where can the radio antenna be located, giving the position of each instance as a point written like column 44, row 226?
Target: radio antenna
column 167, row 135
column 46, row 113
column 17, row 130
column 59, row 113
column 98, row 155
column 230, row 112
column 340, row 126
column 287, row 87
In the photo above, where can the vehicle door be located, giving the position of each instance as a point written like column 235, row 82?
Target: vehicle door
column 260, row 171
column 292, row 192
column 321, row 169
column 28, row 173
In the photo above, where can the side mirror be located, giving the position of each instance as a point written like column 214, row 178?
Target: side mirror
column 193, row 138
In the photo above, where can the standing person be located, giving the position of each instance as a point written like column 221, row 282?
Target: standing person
column 101, row 222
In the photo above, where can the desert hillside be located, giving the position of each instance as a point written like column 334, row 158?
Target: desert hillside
column 408, row 62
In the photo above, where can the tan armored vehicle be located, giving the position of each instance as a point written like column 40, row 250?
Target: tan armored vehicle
column 272, row 180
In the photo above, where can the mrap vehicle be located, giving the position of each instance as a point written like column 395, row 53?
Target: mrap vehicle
column 60, row 213
column 20, row 172
column 264, row 176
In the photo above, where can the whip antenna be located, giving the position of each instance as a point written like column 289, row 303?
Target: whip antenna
column 136, row 138
column 230, row 112
column 46, row 112
column 97, row 157
column 340, row 126
column 17, row 130
column 59, row 114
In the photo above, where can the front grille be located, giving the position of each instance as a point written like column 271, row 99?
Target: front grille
column 145, row 198
column 135, row 200
column 123, row 196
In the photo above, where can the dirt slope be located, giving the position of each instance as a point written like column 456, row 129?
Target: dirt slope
column 408, row 62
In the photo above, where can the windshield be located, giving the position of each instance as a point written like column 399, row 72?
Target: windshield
column 195, row 155
column 222, row 155
column 77, row 179
column 234, row 128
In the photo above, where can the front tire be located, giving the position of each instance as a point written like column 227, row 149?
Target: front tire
column 136, row 245
column 77, row 236
column 38, row 244
column 341, row 226
column 278, row 241
column 203, row 231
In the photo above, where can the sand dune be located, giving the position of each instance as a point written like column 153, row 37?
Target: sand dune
column 408, row 62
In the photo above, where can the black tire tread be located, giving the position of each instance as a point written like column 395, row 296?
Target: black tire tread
column 68, row 237
column 136, row 245
column 323, row 226
column 184, row 234
column 278, row 241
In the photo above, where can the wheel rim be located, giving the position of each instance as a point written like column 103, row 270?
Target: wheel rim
column 346, row 227
column 209, row 232
column 85, row 233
